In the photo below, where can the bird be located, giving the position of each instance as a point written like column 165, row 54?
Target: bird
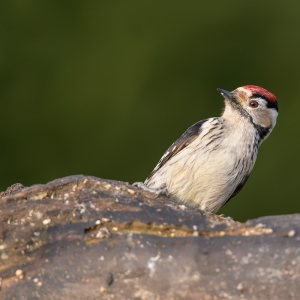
column 211, row 161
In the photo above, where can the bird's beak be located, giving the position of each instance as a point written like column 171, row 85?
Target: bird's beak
column 227, row 95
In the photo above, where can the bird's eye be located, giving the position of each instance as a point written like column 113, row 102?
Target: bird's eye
column 253, row 104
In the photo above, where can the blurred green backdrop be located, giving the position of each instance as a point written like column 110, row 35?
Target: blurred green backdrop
column 104, row 87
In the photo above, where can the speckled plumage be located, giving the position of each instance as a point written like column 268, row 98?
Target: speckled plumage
column 212, row 160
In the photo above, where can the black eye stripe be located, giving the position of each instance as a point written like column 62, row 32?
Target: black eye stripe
column 258, row 95
column 269, row 103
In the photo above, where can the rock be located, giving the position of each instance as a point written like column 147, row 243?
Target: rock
column 83, row 237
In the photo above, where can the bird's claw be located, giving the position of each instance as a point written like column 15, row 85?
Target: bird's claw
column 158, row 192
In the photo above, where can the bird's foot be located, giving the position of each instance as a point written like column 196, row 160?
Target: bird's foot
column 226, row 218
column 158, row 192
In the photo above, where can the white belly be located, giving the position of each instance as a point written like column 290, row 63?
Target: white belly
column 203, row 178
column 208, row 170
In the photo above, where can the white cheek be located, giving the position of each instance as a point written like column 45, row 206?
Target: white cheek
column 273, row 115
column 262, row 115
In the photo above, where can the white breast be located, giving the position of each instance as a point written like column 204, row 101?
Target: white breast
column 206, row 172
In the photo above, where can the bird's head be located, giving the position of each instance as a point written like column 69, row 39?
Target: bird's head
column 254, row 103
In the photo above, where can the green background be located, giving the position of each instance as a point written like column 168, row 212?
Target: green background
column 104, row 87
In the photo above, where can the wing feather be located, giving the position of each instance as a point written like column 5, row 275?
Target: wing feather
column 187, row 137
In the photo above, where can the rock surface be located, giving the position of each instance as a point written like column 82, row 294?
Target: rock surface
column 83, row 237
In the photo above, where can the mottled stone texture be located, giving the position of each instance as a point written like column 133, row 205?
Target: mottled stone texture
column 83, row 237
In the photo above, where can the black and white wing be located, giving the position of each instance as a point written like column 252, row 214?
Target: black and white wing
column 188, row 137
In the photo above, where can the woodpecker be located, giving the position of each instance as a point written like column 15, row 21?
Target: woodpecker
column 212, row 160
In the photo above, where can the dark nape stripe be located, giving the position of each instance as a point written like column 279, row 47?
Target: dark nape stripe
column 272, row 105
